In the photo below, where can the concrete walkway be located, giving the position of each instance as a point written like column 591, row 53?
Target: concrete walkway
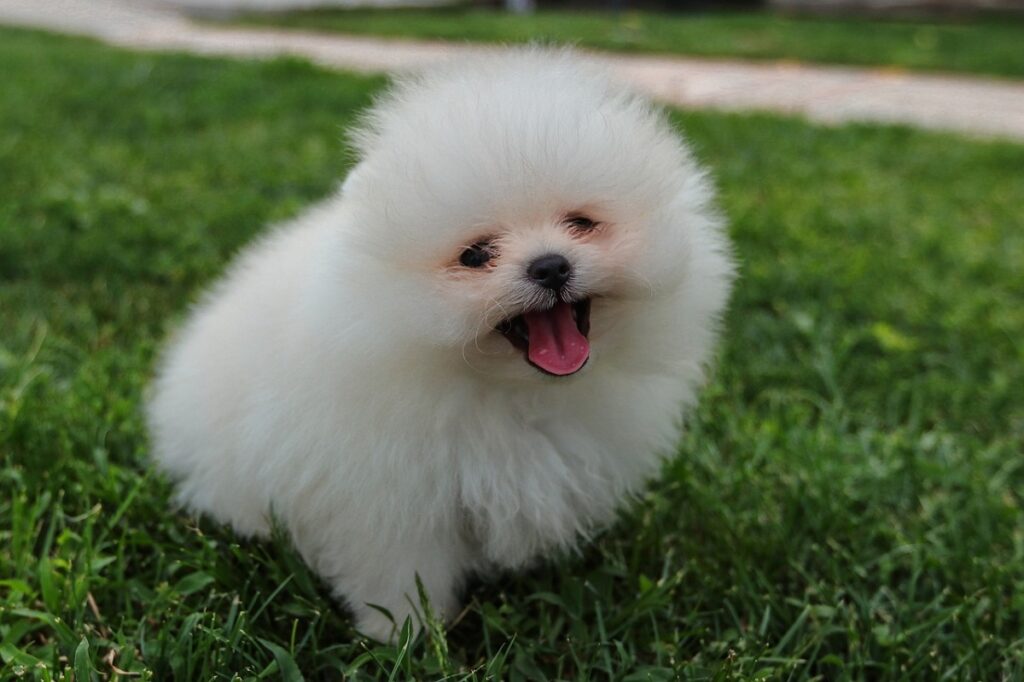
column 978, row 106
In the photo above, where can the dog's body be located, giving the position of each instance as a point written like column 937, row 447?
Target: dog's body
column 368, row 374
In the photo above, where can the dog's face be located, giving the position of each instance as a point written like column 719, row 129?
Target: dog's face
column 535, row 284
column 540, row 283
column 523, row 228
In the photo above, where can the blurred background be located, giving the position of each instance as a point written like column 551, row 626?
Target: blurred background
column 978, row 36
column 904, row 7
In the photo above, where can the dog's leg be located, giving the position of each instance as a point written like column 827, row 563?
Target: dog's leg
column 387, row 579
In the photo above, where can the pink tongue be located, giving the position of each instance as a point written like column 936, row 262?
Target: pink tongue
column 556, row 344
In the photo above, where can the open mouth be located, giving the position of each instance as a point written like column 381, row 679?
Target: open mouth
column 554, row 340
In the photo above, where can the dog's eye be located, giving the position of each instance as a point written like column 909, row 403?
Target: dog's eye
column 476, row 256
column 581, row 223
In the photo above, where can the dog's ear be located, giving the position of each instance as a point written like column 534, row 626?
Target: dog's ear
column 364, row 136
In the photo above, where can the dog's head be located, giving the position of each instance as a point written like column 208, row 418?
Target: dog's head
column 524, row 210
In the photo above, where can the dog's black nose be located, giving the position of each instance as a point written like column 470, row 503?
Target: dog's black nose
column 551, row 271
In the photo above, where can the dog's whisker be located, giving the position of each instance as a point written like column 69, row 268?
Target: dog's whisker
column 642, row 280
column 484, row 322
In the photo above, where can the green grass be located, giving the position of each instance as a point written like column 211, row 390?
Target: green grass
column 847, row 503
column 987, row 46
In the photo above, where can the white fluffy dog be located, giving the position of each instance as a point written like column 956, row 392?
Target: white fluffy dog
column 468, row 356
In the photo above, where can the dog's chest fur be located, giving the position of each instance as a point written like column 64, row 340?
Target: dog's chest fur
column 531, row 476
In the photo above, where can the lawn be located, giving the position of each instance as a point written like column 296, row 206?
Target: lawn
column 987, row 46
column 847, row 503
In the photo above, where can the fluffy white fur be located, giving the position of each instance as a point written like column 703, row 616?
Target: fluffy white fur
column 345, row 376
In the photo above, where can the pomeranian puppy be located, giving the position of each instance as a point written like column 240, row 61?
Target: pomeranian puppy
column 470, row 355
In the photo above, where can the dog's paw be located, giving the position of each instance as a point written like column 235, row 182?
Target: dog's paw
column 379, row 627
